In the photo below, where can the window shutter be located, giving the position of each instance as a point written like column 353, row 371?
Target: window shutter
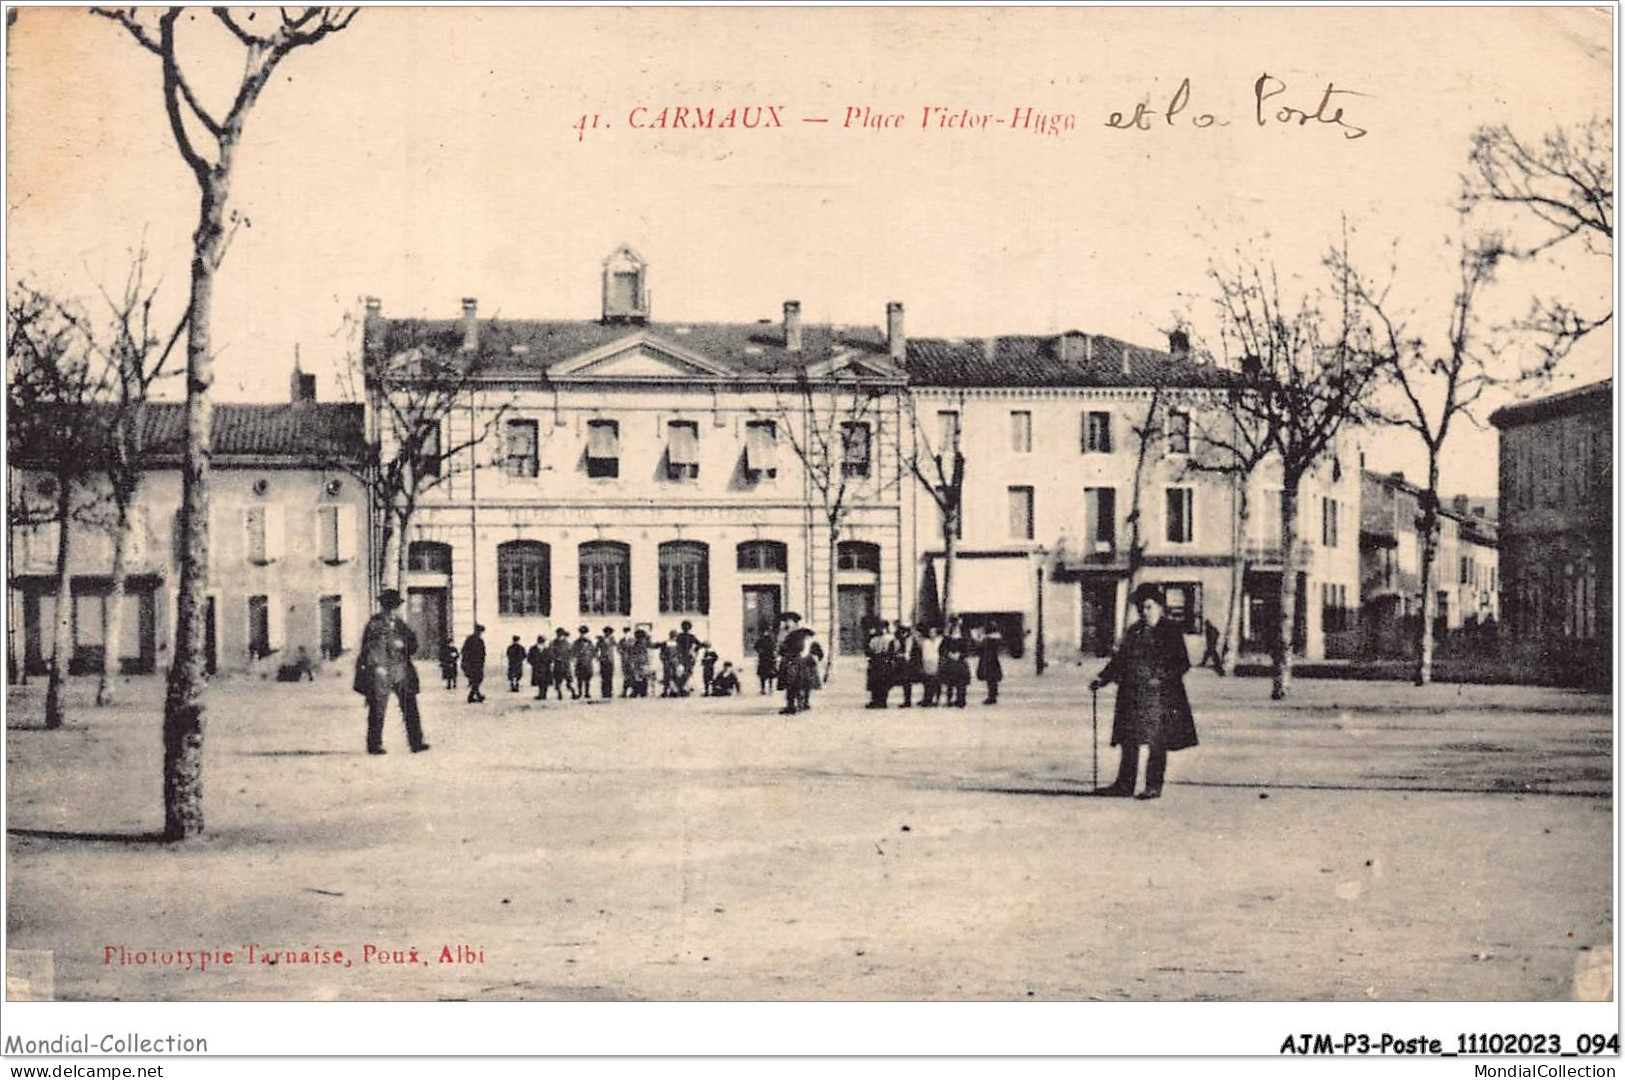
column 274, row 531
column 350, row 619
column 346, row 526
column 275, row 620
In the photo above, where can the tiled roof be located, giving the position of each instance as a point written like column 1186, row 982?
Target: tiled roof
column 518, row 347
column 1071, row 359
column 304, row 433
column 1597, row 395
column 532, row 347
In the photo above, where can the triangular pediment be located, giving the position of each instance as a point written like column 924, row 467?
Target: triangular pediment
column 855, row 363
column 639, row 356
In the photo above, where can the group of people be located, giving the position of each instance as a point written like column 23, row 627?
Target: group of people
column 1152, row 710
column 899, row 656
column 628, row 662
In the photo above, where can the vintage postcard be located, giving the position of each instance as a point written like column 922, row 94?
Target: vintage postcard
column 1098, row 506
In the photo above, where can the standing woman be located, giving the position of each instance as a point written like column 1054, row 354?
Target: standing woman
column 955, row 666
column 1152, row 708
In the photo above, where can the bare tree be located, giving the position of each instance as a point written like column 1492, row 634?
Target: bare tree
column 1434, row 383
column 423, row 390
column 939, row 466
column 1233, row 441
column 1309, row 372
column 207, row 140
column 830, row 422
column 1147, row 433
column 1562, row 192
column 52, row 390
column 135, row 358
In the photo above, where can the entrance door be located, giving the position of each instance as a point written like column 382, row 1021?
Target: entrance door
column 332, row 617
column 855, row 605
column 761, row 612
column 426, row 615
column 1099, row 607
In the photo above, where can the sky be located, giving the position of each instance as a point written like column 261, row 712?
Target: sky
column 425, row 155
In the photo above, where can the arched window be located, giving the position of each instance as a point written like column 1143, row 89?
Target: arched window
column 763, row 555
column 857, row 555
column 429, row 555
column 524, row 578
column 606, row 578
column 685, row 578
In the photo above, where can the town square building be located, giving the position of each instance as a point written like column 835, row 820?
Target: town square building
column 288, row 567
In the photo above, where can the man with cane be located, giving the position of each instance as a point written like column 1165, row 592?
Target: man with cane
column 1152, row 709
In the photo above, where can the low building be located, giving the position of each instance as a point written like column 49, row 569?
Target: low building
column 288, row 565
column 1466, row 569
column 1556, row 530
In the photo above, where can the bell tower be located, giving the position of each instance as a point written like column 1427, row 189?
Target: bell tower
column 626, row 287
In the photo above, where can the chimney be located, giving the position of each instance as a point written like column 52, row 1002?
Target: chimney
column 1179, row 345
column 1128, row 355
column 990, row 349
column 471, row 325
column 302, row 386
column 792, row 326
column 370, row 334
column 896, row 344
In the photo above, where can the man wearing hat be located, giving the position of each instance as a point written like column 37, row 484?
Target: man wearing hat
column 582, row 654
column 384, row 667
column 1152, row 708
column 474, row 664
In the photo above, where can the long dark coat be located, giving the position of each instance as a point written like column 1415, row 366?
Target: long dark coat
column 541, row 664
column 1149, row 670
column 989, row 668
column 384, row 661
column 474, row 656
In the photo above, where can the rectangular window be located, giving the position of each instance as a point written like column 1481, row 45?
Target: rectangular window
column 1097, row 432
column 1334, row 609
column 1466, row 568
column 430, row 454
column 521, row 448
column 263, row 525
column 682, row 450
column 1184, row 608
column 1021, row 513
column 1100, row 527
column 1021, row 431
column 1179, row 431
column 947, row 431
column 855, row 449
column 259, row 626
column 603, row 449
column 335, row 533
column 1181, row 526
column 762, row 449
column 685, row 587
column 1328, row 522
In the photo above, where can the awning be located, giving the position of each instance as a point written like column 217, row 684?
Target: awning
column 983, row 584
column 761, row 447
column 683, row 444
column 603, row 440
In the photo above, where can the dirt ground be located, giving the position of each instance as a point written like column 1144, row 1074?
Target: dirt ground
column 1361, row 841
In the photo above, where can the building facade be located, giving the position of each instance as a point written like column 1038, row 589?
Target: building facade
column 625, row 472
column 287, row 564
column 1556, row 530
column 1466, row 572
column 1052, row 429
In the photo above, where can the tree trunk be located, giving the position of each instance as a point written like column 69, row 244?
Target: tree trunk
column 1230, row 645
column 833, row 621
column 62, row 633
column 1429, row 538
column 950, row 552
column 115, row 606
column 1286, row 625
column 393, row 561
column 184, row 705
